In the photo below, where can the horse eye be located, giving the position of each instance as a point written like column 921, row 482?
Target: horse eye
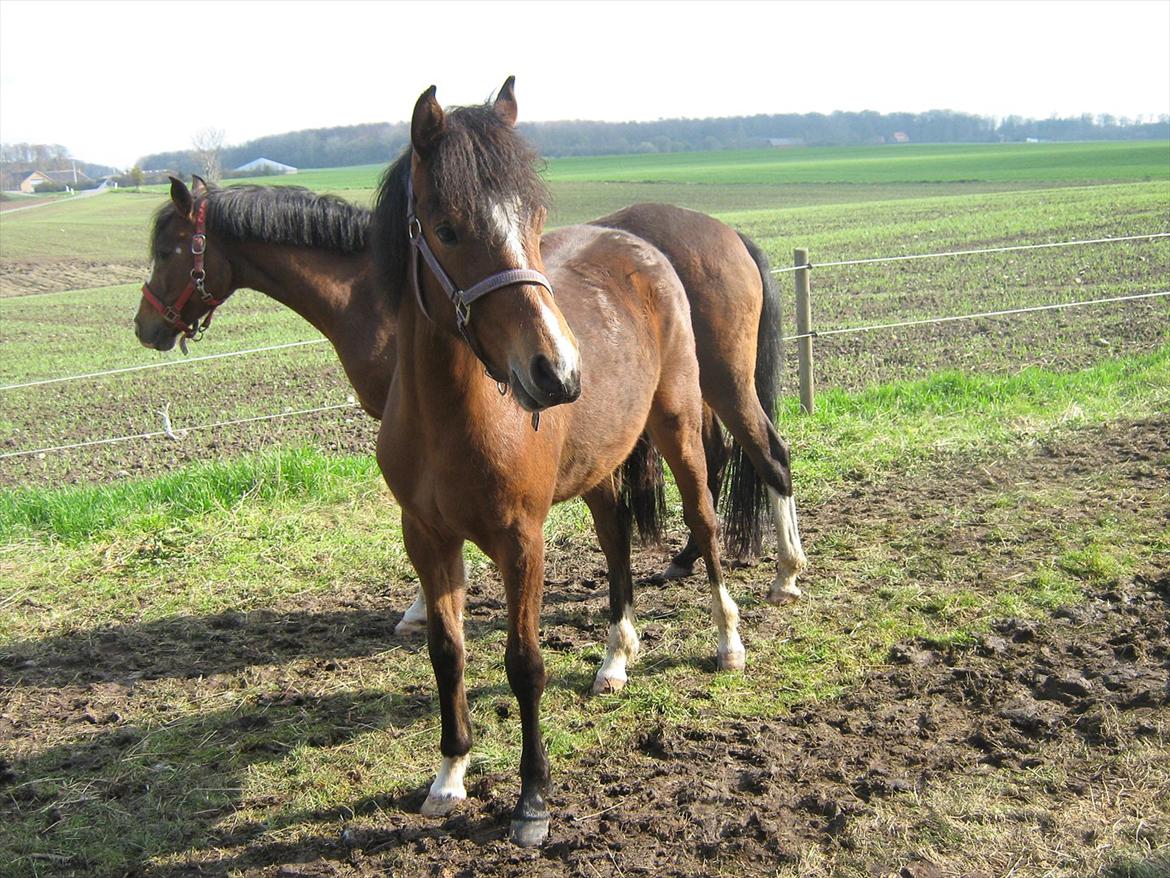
column 446, row 234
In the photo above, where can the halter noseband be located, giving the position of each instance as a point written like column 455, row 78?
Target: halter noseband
column 461, row 299
column 173, row 314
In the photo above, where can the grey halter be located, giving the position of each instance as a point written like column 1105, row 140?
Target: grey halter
column 461, row 299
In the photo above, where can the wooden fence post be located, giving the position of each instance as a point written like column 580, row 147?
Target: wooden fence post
column 803, row 327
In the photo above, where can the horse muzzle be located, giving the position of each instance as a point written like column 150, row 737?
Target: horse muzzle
column 159, row 338
column 542, row 385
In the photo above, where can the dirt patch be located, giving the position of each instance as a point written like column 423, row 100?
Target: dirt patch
column 47, row 276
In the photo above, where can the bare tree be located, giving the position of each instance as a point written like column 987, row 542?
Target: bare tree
column 208, row 143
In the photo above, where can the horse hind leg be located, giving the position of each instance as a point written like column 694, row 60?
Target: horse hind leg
column 790, row 557
column 414, row 620
column 612, row 523
column 678, row 437
column 771, row 463
column 716, row 447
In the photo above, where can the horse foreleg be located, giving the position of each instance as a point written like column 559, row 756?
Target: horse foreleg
column 520, row 558
column 613, row 532
column 438, row 558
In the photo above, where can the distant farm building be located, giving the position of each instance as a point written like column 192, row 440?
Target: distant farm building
column 71, row 177
column 785, row 141
column 265, row 166
column 901, row 137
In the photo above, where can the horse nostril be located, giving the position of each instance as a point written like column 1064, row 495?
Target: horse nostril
column 573, row 386
column 549, row 382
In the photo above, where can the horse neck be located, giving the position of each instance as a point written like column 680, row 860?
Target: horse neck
column 335, row 292
column 443, row 385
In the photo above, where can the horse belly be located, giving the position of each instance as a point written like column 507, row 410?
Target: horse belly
column 611, row 309
column 604, row 425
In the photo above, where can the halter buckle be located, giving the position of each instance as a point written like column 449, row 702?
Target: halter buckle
column 413, row 228
column 462, row 313
column 198, row 244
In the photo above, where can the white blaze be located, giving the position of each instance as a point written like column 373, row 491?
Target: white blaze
column 506, row 224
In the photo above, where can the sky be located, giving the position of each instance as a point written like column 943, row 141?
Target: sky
column 114, row 81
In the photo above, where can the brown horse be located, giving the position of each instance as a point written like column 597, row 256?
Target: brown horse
column 309, row 252
column 458, row 221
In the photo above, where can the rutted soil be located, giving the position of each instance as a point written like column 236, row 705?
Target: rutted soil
column 1058, row 698
column 29, row 278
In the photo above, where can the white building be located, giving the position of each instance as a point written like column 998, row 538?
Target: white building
column 265, row 166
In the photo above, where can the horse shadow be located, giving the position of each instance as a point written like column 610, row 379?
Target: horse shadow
column 116, row 797
column 193, row 646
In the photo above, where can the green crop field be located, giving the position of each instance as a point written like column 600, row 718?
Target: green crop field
column 198, row 671
column 1021, row 163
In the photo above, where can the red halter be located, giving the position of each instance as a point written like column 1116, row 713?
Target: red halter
column 173, row 314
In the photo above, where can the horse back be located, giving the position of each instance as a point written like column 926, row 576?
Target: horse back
column 720, row 277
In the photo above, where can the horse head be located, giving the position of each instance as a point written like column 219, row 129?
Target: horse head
column 184, row 271
column 475, row 213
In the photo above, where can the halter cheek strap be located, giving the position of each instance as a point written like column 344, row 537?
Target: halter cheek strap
column 173, row 314
column 461, row 299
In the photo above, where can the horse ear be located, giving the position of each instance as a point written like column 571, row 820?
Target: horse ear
column 427, row 123
column 181, row 196
column 198, row 186
column 505, row 105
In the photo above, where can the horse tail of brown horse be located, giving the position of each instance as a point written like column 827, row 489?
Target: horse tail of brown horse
column 745, row 494
column 642, row 491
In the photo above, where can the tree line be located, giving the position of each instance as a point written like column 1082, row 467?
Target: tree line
column 376, row 143
column 380, row 142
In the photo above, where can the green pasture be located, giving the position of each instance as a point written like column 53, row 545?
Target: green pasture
column 110, row 227
column 98, row 335
column 852, row 435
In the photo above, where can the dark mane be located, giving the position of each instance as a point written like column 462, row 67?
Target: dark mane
column 479, row 161
column 279, row 215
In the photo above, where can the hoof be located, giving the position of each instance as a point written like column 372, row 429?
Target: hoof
column 441, row 806
column 783, row 593
column 677, row 571
column 410, row 627
column 732, row 660
column 528, row 832
column 608, row 685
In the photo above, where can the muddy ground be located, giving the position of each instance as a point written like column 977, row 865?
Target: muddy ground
column 1051, row 704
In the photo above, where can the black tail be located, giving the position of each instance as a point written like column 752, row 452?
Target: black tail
column 745, row 494
column 642, row 491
